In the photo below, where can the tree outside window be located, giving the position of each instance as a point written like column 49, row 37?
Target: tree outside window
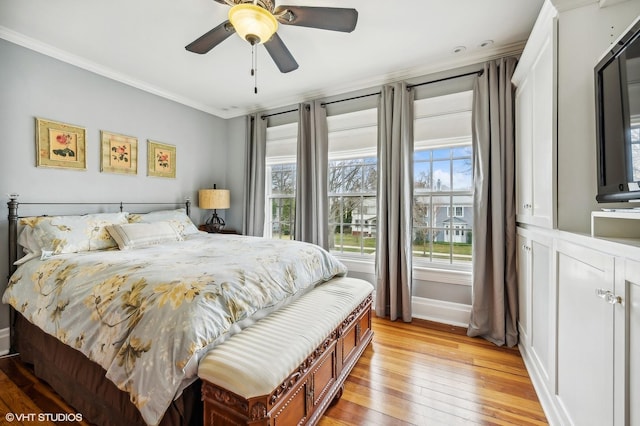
column 352, row 205
column 281, row 200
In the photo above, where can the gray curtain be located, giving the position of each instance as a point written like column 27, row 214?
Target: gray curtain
column 395, row 200
column 311, row 175
column 254, row 191
column 495, row 299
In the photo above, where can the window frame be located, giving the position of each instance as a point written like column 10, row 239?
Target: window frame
column 452, row 194
column 361, row 196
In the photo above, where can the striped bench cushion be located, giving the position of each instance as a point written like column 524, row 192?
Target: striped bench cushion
column 257, row 360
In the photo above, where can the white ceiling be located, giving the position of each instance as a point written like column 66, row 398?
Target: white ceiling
column 141, row 43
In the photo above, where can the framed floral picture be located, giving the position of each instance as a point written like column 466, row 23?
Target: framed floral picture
column 161, row 159
column 60, row 145
column 119, row 153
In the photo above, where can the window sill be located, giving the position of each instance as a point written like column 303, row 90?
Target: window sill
column 456, row 275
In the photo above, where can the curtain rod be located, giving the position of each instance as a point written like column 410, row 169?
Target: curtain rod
column 278, row 113
column 307, row 107
column 350, row 99
column 479, row 73
column 409, row 86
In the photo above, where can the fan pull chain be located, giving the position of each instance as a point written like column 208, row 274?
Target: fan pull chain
column 254, row 68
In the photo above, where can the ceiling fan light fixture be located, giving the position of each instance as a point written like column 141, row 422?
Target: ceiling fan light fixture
column 253, row 23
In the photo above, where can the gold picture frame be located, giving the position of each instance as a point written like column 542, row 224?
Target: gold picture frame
column 161, row 159
column 60, row 145
column 119, row 153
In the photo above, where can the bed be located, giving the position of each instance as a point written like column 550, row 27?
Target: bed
column 116, row 310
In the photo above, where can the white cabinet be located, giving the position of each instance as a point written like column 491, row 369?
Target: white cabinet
column 535, row 121
column 585, row 356
column 579, row 323
column 536, row 295
column 627, row 361
column 523, row 267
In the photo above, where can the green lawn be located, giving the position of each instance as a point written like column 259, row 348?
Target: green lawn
column 351, row 243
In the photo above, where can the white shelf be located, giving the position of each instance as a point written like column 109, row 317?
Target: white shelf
column 616, row 224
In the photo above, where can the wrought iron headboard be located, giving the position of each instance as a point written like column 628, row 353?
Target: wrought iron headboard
column 13, row 217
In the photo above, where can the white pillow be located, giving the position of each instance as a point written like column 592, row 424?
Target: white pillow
column 177, row 217
column 30, row 245
column 141, row 234
column 68, row 234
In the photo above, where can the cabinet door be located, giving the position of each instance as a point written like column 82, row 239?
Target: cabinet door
column 523, row 266
column 628, row 365
column 542, row 302
column 536, row 299
column 543, row 156
column 535, row 120
column 585, row 338
column 524, row 133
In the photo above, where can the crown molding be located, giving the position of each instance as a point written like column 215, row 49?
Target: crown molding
column 605, row 3
column 470, row 58
column 564, row 5
column 61, row 55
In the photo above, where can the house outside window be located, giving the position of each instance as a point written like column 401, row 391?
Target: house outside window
column 353, row 174
column 352, row 205
column 443, row 181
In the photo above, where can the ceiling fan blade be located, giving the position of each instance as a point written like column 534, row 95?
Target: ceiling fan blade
column 325, row 18
column 280, row 54
column 211, row 39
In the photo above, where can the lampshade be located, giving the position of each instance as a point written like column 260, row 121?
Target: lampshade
column 214, row 198
column 253, row 23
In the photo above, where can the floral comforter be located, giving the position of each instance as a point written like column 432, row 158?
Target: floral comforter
column 148, row 315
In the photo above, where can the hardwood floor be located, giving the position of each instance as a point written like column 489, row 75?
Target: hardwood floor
column 28, row 400
column 426, row 373
column 421, row 373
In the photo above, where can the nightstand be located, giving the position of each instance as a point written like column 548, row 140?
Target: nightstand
column 212, row 230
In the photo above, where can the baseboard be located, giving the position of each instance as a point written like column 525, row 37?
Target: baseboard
column 441, row 311
column 5, row 341
column 547, row 400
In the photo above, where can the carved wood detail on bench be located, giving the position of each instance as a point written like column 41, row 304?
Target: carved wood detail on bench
column 305, row 394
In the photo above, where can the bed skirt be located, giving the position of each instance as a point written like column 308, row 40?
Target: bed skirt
column 82, row 383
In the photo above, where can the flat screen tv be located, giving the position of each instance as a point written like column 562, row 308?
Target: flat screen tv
column 617, row 84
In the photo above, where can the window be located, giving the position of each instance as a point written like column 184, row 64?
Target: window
column 635, row 152
column 353, row 174
column 282, row 203
column 455, row 211
column 280, row 182
column 443, row 180
column 352, row 205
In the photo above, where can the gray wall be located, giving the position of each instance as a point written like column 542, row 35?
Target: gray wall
column 236, row 142
column 584, row 34
column 34, row 85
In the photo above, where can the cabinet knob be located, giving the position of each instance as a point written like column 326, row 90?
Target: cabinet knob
column 526, row 206
column 608, row 296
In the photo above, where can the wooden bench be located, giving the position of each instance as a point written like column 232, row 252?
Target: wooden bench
column 288, row 367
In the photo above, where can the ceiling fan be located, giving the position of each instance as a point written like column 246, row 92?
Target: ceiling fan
column 257, row 22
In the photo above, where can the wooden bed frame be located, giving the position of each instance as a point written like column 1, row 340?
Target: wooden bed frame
column 343, row 347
